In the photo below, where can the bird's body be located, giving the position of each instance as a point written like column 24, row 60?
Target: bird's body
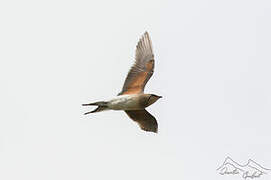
column 126, row 102
column 132, row 98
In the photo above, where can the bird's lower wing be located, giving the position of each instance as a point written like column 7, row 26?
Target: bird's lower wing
column 145, row 120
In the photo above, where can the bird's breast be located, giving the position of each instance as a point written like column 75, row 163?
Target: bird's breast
column 125, row 102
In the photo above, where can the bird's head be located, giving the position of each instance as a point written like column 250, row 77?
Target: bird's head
column 153, row 98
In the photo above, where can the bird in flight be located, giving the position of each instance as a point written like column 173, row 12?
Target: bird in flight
column 132, row 98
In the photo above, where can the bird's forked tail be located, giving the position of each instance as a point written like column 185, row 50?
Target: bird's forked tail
column 102, row 106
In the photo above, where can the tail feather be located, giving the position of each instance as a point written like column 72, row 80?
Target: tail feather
column 99, row 103
column 98, row 109
column 102, row 105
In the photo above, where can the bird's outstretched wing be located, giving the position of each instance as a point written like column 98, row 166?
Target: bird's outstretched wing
column 145, row 120
column 142, row 70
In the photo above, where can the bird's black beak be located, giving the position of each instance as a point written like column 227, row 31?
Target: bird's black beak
column 160, row 96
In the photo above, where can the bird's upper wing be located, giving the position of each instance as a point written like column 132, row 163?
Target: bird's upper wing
column 145, row 120
column 142, row 70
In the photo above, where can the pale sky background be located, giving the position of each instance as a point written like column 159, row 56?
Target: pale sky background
column 213, row 61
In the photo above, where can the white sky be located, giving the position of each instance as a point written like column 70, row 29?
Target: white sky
column 212, row 68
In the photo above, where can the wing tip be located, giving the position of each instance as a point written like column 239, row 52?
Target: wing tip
column 146, row 33
column 145, row 43
column 153, row 130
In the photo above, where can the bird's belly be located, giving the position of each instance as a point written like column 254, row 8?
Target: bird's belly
column 124, row 103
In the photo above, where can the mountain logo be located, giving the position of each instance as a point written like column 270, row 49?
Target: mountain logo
column 249, row 170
